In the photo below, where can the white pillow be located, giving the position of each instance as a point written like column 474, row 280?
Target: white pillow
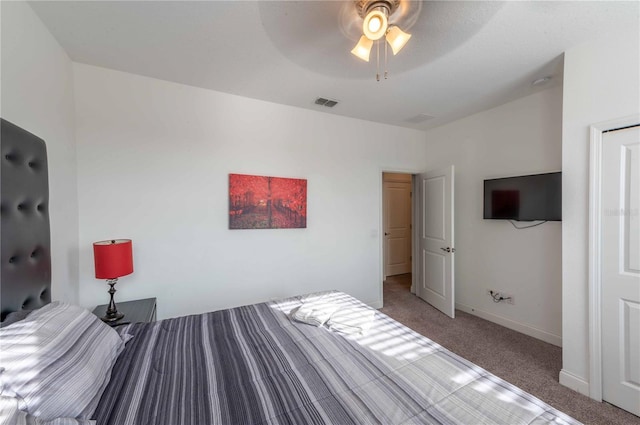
column 57, row 361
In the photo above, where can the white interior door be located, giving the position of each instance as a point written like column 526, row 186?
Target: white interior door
column 435, row 283
column 620, row 270
column 397, row 224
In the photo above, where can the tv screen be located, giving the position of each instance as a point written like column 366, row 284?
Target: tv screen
column 524, row 198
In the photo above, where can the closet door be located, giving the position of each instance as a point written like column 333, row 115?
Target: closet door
column 620, row 270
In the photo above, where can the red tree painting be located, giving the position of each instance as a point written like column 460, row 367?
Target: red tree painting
column 259, row 202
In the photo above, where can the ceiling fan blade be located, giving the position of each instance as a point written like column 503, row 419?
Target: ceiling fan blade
column 350, row 21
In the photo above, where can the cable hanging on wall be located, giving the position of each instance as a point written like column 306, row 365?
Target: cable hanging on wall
column 526, row 227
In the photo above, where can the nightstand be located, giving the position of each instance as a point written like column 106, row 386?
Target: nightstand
column 134, row 311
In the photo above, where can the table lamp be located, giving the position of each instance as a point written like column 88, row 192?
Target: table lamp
column 113, row 259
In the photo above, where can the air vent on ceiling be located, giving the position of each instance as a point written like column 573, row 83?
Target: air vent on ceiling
column 419, row 118
column 329, row 103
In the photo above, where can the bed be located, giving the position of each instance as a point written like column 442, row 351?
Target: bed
column 254, row 364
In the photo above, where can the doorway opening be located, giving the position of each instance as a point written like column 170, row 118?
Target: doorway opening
column 428, row 250
column 397, row 220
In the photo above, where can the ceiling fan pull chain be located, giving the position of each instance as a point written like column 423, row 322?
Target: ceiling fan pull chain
column 386, row 72
column 378, row 60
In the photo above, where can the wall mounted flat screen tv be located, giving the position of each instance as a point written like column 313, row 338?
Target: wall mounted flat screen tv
column 524, row 198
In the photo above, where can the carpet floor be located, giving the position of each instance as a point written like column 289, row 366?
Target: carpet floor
column 526, row 362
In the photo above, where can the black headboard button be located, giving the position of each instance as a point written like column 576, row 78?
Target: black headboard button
column 34, row 164
column 25, row 207
column 13, row 259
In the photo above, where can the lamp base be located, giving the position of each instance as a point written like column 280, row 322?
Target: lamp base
column 112, row 314
column 113, row 318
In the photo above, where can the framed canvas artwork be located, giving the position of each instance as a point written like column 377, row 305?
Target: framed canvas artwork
column 261, row 202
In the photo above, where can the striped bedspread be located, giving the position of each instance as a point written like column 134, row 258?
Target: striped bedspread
column 254, row 365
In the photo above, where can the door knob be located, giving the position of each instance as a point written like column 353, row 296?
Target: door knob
column 448, row 249
column 386, row 234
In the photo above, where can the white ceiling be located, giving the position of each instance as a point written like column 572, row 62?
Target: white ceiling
column 463, row 57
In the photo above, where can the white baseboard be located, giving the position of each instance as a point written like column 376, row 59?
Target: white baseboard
column 511, row 324
column 574, row 382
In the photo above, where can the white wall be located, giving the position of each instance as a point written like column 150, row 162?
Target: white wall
column 520, row 137
column 602, row 83
column 37, row 95
column 153, row 165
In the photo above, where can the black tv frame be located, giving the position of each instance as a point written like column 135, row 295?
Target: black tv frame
column 543, row 204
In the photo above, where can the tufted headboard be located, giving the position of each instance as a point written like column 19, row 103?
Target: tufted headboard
column 25, row 270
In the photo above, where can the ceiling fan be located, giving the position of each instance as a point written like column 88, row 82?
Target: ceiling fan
column 378, row 20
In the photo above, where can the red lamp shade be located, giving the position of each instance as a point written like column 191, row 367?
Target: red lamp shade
column 113, row 258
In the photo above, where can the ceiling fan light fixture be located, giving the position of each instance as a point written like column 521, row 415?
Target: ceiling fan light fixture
column 397, row 38
column 376, row 16
column 363, row 48
column 375, row 23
